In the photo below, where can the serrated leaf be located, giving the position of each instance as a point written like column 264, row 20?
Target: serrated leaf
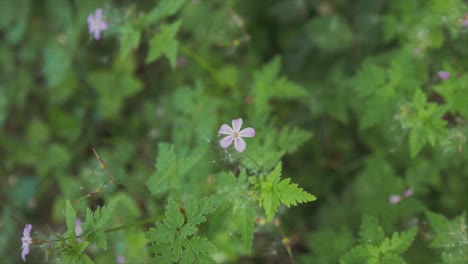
column 70, row 217
column 291, row 194
column 166, row 175
column 289, row 139
column 197, row 210
column 75, row 255
column 450, row 235
column 399, row 242
column 174, row 218
column 273, row 192
column 370, row 231
column 161, row 234
column 164, row 43
column 103, row 214
column 267, row 84
column 361, row 254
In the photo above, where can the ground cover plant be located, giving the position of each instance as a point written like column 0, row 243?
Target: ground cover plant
column 237, row 131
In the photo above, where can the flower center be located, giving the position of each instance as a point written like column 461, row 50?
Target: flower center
column 26, row 241
column 236, row 134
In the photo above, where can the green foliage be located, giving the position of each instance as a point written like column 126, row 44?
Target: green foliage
column 237, row 212
column 329, row 33
column 450, row 237
column 169, row 170
column 165, row 8
column 268, row 84
column 164, row 43
column 274, row 191
column 374, row 247
column 95, row 221
column 175, row 238
column 362, row 77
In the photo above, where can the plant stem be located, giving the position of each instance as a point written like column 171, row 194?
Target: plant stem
column 142, row 222
column 252, row 159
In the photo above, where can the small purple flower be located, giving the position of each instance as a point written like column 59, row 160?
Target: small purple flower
column 26, row 240
column 78, row 229
column 465, row 22
column 408, row 193
column 96, row 24
column 394, row 199
column 121, row 259
column 444, row 75
column 235, row 134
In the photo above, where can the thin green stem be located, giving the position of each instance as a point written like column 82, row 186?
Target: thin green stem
column 200, row 61
column 252, row 159
column 142, row 222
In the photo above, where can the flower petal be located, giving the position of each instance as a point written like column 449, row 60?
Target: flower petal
column 239, row 144
column 90, row 18
column 78, row 229
column 24, row 252
column 103, row 25
column 98, row 14
column 444, row 74
column 96, row 34
column 394, row 198
column 27, row 230
column 237, row 124
column 226, row 141
column 247, row 132
column 226, row 130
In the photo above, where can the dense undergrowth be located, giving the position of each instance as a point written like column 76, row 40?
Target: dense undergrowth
column 237, row 131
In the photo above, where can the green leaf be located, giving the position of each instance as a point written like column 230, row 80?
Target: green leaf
column 238, row 208
column 370, row 231
column 165, row 8
column 164, row 43
column 274, row 192
column 70, row 217
column 75, row 255
column 289, row 139
column 268, row 84
column 129, row 39
column 175, row 238
column 95, row 221
column 166, row 175
column 399, row 242
column 103, row 214
column 450, row 235
column 196, row 211
column 373, row 247
column 361, row 254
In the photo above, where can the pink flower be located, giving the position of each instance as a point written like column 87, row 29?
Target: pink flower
column 26, row 240
column 235, row 134
column 121, row 259
column 96, row 24
column 408, row 193
column 78, row 229
column 394, row 199
column 444, row 75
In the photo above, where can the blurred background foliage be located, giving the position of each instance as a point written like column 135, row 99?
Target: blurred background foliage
column 361, row 78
